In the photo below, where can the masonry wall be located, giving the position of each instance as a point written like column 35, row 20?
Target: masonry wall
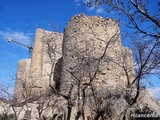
column 37, row 73
column 93, row 57
column 20, row 90
column 85, row 63
column 90, row 45
column 46, row 52
column 93, row 45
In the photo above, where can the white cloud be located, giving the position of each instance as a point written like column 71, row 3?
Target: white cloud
column 156, row 92
column 97, row 9
column 86, row 1
column 78, row 4
column 77, row 1
column 91, row 8
column 16, row 36
column 100, row 10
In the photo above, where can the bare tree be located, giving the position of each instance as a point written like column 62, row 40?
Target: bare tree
column 142, row 16
column 83, row 90
column 142, row 19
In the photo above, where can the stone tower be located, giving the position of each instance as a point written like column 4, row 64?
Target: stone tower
column 22, row 79
column 34, row 75
column 93, row 58
column 92, row 50
column 88, row 67
column 91, row 46
column 46, row 52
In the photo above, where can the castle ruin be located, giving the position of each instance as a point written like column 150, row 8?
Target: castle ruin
column 87, row 38
column 33, row 74
column 87, row 56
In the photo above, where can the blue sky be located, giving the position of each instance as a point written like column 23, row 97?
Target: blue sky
column 19, row 20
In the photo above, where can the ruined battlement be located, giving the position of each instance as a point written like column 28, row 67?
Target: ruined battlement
column 34, row 75
column 92, row 45
column 88, row 45
column 83, row 70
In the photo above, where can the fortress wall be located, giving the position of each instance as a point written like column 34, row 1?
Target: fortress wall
column 20, row 90
column 91, row 50
column 52, row 52
column 36, row 60
column 93, row 45
column 46, row 52
column 90, row 45
column 39, row 70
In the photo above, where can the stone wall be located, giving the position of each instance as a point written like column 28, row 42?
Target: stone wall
column 20, row 91
column 46, row 52
column 87, row 66
column 37, row 73
column 93, row 45
column 90, row 45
